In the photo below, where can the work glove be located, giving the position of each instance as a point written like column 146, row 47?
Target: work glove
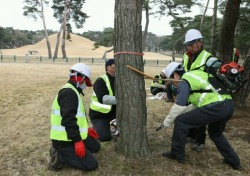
column 92, row 133
column 80, row 149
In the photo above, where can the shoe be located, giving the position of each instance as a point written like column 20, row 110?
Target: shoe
column 169, row 100
column 172, row 156
column 198, row 147
column 54, row 164
column 234, row 167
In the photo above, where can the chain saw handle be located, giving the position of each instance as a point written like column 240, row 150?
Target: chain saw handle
column 160, row 127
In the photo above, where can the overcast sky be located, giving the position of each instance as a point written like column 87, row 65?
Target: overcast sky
column 101, row 14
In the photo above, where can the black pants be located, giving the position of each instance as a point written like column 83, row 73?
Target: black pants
column 66, row 155
column 214, row 115
column 102, row 127
column 170, row 91
column 155, row 90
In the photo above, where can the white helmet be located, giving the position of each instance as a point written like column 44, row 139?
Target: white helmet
column 191, row 35
column 82, row 69
column 171, row 68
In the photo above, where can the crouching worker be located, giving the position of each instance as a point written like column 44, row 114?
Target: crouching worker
column 158, row 86
column 73, row 142
column 103, row 103
column 211, row 108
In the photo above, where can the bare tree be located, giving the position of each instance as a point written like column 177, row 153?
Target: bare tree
column 130, row 87
column 32, row 10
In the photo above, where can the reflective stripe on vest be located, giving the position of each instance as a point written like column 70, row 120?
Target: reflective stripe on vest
column 95, row 104
column 58, row 131
column 199, row 61
column 198, row 80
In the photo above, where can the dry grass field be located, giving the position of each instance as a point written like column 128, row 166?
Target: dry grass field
column 27, row 92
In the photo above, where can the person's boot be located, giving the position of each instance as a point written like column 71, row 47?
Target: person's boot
column 198, row 147
column 54, row 163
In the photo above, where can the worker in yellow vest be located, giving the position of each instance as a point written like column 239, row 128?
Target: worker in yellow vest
column 211, row 108
column 102, row 109
column 73, row 142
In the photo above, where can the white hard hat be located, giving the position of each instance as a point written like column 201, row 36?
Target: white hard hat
column 171, row 68
column 191, row 35
column 82, row 69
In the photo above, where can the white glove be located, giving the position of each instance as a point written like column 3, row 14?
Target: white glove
column 188, row 108
column 174, row 112
column 109, row 100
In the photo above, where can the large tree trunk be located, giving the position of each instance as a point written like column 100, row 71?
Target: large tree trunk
column 45, row 31
column 241, row 96
column 228, row 29
column 214, row 24
column 130, row 86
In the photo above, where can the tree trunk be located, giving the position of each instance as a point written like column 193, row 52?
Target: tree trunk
column 130, row 86
column 146, row 6
column 45, row 31
column 64, row 28
column 214, row 24
column 228, row 30
column 204, row 14
column 57, row 42
column 240, row 98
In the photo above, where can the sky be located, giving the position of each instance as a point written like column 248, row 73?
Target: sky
column 101, row 14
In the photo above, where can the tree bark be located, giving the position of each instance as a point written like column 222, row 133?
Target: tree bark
column 130, row 86
column 240, row 98
column 228, row 30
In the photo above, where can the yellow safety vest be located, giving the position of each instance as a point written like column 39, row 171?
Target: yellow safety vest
column 199, row 61
column 159, row 81
column 198, row 80
column 58, row 131
column 95, row 104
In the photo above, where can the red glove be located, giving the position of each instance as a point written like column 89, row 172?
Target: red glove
column 80, row 149
column 92, row 133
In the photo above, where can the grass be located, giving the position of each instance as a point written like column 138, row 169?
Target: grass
column 27, row 91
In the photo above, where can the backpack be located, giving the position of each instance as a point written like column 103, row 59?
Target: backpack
column 226, row 78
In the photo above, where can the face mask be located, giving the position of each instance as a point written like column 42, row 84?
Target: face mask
column 82, row 86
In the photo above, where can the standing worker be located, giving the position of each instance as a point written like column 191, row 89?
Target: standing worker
column 73, row 142
column 195, row 58
column 212, row 109
column 103, row 102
